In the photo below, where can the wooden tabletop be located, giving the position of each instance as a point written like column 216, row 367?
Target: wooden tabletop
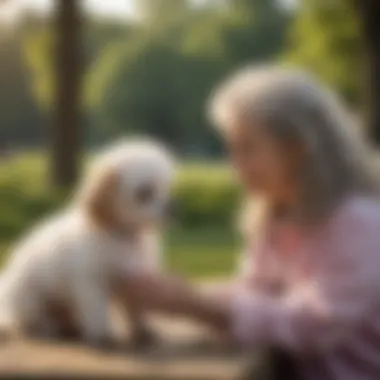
column 185, row 352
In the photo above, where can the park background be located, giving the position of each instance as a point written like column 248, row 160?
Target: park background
column 75, row 75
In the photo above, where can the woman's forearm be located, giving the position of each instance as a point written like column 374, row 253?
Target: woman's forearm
column 169, row 294
column 211, row 310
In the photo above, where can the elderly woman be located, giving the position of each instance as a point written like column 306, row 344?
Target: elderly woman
column 310, row 281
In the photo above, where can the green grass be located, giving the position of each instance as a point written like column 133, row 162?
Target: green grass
column 211, row 253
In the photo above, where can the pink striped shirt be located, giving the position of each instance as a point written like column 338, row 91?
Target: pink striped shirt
column 329, row 313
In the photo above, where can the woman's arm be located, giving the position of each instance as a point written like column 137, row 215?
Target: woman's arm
column 170, row 294
column 173, row 295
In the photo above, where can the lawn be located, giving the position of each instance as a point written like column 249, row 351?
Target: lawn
column 202, row 254
column 202, row 243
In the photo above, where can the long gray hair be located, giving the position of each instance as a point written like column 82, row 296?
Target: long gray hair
column 291, row 104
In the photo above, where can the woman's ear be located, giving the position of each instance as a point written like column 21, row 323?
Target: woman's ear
column 100, row 196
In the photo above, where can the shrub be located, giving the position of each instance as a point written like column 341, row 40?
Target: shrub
column 206, row 196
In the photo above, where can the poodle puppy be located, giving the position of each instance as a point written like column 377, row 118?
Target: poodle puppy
column 62, row 276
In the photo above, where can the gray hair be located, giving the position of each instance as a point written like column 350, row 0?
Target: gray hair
column 293, row 105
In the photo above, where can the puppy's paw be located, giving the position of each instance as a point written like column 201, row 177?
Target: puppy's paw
column 144, row 338
column 5, row 336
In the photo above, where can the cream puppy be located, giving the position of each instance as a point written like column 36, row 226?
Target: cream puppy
column 61, row 277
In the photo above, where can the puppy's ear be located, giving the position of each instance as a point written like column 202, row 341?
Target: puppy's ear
column 99, row 195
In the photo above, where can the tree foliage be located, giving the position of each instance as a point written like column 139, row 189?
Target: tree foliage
column 20, row 120
column 158, row 82
column 154, row 74
column 325, row 39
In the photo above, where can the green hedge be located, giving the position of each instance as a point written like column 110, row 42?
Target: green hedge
column 205, row 195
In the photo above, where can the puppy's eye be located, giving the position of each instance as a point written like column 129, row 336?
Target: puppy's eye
column 145, row 194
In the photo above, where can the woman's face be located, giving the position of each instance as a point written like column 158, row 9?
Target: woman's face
column 263, row 165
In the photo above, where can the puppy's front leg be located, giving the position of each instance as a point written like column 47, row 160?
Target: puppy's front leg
column 91, row 310
column 141, row 335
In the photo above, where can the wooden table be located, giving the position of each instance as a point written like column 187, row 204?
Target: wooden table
column 179, row 356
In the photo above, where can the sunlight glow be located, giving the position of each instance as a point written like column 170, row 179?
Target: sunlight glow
column 11, row 9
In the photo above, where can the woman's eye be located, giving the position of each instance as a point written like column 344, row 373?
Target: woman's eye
column 145, row 194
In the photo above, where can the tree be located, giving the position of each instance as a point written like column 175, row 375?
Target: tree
column 369, row 20
column 256, row 30
column 150, row 76
column 66, row 134
column 340, row 41
column 325, row 39
column 156, row 12
column 159, row 83
column 143, row 90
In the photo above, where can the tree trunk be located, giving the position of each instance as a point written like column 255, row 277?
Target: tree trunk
column 66, row 136
column 369, row 15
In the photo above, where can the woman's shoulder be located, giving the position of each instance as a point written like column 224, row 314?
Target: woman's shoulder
column 360, row 208
column 352, row 235
column 358, row 216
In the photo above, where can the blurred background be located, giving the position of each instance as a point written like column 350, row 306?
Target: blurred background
column 76, row 74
